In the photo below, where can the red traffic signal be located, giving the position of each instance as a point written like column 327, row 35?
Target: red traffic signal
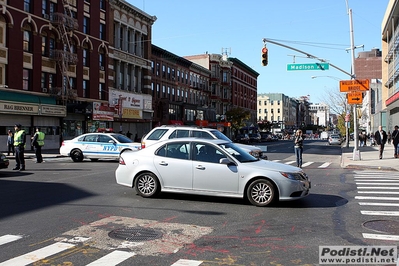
column 264, row 58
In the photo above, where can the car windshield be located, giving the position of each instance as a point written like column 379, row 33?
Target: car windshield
column 238, row 153
column 122, row 138
column 220, row 135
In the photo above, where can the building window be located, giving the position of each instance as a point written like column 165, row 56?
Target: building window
column 102, row 4
column 27, row 41
column 26, row 79
column 265, row 102
column 86, row 58
column 28, row 6
column 44, row 46
column 44, row 7
column 102, row 31
column 85, row 88
column 86, row 25
column 101, row 91
column 101, row 58
column 278, row 110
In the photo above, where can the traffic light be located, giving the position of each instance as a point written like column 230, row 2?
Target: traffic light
column 264, row 56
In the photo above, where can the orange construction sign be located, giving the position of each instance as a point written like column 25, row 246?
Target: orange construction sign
column 355, row 97
column 354, row 85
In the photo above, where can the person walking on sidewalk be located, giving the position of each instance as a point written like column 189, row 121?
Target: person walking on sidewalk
column 395, row 141
column 10, row 143
column 298, row 147
column 19, row 144
column 38, row 143
column 380, row 138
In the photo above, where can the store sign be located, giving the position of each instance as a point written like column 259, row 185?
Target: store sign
column 103, row 112
column 19, row 108
column 53, row 110
column 131, row 113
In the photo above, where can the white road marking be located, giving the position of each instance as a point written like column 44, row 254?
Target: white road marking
column 9, row 238
column 306, row 164
column 37, row 255
column 324, row 165
column 376, row 198
column 183, row 262
column 379, row 204
column 378, row 187
column 290, row 162
column 378, row 192
column 381, row 237
column 113, row 258
column 377, row 184
column 382, row 213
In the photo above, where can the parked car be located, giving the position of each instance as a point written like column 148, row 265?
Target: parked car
column 254, row 137
column 242, row 138
column 171, row 131
column 335, row 139
column 265, row 137
column 96, row 146
column 212, row 167
column 4, row 162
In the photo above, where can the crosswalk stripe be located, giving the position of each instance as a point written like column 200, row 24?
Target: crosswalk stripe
column 324, row 165
column 379, row 204
column 306, row 164
column 383, row 213
column 276, row 161
column 379, row 180
column 37, row 255
column 113, row 258
column 9, row 238
column 183, row 262
column 290, row 162
column 376, row 184
column 379, row 192
column 391, row 188
column 376, row 198
column 381, row 237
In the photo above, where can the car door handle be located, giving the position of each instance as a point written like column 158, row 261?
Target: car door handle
column 200, row 167
column 163, row 163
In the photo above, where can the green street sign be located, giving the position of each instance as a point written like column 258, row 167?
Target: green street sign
column 311, row 66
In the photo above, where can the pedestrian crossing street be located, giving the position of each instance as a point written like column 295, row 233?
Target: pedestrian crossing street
column 378, row 196
column 306, row 164
column 112, row 258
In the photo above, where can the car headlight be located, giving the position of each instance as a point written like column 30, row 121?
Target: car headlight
column 295, row 176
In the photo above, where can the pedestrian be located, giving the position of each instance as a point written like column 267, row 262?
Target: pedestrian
column 10, row 143
column 361, row 139
column 380, row 138
column 128, row 134
column 136, row 138
column 19, row 144
column 389, row 137
column 298, row 147
column 395, row 141
column 38, row 143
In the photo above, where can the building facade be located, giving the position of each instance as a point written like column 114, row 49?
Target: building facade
column 388, row 116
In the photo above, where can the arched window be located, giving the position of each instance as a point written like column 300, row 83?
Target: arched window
column 86, row 55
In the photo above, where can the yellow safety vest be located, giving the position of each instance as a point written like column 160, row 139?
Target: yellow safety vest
column 40, row 138
column 18, row 138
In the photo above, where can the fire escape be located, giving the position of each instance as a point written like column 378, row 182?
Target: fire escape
column 65, row 58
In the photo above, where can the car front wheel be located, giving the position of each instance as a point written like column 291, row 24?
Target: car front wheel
column 261, row 193
column 147, row 185
column 77, row 155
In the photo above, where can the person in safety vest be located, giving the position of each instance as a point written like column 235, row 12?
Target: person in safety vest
column 38, row 143
column 19, row 144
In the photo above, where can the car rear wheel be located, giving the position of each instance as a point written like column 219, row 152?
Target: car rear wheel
column 77, row 155
column 147, row 185
column 261, row 193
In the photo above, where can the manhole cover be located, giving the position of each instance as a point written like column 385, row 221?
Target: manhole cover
column 135, row 234
column 386, row 226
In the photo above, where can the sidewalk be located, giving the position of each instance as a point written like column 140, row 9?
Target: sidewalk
column 54, row 153
column 369, row 158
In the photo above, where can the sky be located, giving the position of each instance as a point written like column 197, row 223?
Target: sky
column 317, row 27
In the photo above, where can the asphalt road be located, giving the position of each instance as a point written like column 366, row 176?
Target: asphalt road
column 75, row 214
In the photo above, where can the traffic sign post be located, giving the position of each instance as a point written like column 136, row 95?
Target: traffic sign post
column 312, row 66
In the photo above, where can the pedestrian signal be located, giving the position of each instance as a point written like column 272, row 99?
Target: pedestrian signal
column 264, row 56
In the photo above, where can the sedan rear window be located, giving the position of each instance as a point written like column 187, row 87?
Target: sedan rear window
column 157, row 134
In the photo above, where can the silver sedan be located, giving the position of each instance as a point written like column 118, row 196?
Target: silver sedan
column 212, row 168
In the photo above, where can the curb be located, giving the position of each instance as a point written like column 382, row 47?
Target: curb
column 357, row 166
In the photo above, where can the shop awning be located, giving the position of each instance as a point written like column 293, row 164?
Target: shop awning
column 26, row 98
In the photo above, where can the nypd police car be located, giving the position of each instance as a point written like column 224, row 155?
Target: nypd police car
column 97, row 145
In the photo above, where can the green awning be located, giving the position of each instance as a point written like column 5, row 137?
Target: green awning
column 26, row 98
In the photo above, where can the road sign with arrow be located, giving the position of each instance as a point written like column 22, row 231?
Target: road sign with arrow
column 355, row 97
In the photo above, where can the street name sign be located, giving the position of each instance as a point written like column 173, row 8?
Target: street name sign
column 311, row 66
column 354, row 85
column 355, row 97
